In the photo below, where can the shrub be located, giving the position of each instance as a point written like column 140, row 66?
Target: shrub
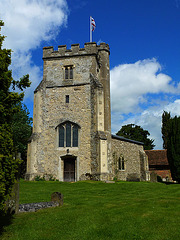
column 39, row 178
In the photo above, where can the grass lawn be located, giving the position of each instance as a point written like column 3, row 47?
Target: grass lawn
column 96, row 210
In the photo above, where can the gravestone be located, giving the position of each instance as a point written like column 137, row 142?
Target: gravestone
column 153, row 177
column 57, row 197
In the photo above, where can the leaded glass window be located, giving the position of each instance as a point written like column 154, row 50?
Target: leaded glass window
column 75, row 136
column 121, row 163
column 61, row 136
column 68, row 135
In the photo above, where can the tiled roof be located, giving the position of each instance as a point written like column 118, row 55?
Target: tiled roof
column 157, row 157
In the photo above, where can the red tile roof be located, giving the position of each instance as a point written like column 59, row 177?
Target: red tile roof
column 157, row 157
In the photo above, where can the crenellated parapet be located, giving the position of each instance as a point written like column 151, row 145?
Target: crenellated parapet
column 90, row 48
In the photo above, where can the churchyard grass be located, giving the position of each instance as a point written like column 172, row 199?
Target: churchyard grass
column 97, row 210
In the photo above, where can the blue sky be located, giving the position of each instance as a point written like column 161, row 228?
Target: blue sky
column 143, row 36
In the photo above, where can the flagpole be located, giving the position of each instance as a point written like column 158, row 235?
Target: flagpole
column 90, row 30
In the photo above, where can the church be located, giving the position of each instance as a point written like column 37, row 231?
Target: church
column 71, row 139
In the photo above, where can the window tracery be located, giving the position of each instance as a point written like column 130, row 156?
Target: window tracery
column 68, row 134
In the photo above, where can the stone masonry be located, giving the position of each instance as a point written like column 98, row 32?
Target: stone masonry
column 71, row 138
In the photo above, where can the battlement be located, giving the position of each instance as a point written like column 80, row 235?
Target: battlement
column 90, row 48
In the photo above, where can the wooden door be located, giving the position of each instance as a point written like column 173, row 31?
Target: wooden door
column 69, row 170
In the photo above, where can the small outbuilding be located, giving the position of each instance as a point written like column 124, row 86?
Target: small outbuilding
column 158, row 163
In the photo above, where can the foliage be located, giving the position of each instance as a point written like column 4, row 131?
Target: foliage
column 52, row 178
column 8, row 107
column 96, row 210
column 22, row 129
column 171, row 138
column 45, row 177
column 165, row 128
column 137, row 133
column 173, row 146
column 39, row 178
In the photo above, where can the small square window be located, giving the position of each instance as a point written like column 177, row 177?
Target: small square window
column 67, row 98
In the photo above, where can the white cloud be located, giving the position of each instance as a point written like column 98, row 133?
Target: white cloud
column 130, row 86
column 22, row 64
column 173, row 108
column 131, row 82
column 27, row 24
column 149, row 119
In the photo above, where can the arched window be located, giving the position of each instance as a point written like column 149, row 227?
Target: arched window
column 68, row 135
column 121, row 163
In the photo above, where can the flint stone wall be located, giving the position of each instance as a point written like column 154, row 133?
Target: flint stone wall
column 48, row 152
column 89, row 108
column 131, row 153
column 50, row 110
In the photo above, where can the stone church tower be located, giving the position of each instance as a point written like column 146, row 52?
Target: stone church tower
column 71, row 137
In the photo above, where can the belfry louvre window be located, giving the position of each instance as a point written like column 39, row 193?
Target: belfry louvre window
column 121, row 163
column 68, row 72
column 68, row 135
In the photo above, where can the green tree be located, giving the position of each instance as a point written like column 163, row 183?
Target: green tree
column 165, row 128
column 22, row 129
column 137, row 133
column 171, row 138
column 8, row 107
